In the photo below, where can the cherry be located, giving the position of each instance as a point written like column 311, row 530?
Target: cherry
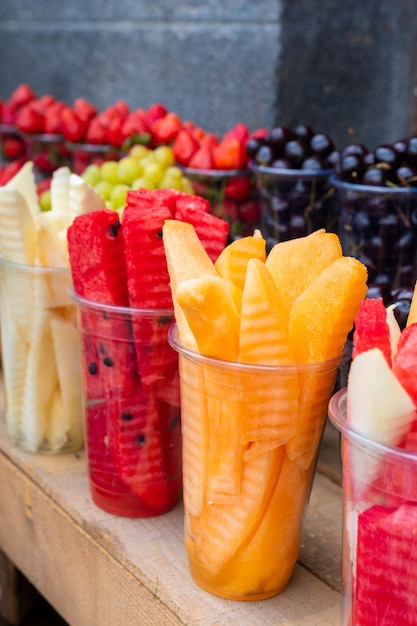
column 295, row 152
column 304, row 132
column 412, row 151
column 357, row 149
column 387, row 154
column 321, row 144
column 279, row 136
column 312, row 163
column 374, row 176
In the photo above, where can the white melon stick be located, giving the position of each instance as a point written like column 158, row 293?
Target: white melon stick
column 69, row 423
column 82, row 197
column 52, row 248
column 55, row 433
column 50, row 290
column 15, row 351
column 394, row 329
column 25, row 183
column 40, row 382
column 60, row 196
column 17, row 228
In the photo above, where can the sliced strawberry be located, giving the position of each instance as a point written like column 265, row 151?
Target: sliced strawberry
column 371, row 328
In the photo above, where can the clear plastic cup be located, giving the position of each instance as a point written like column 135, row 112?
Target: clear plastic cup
column 40, row 357
column 294, row 202
column 379, row 561
column 251, row 435
column 131, row 409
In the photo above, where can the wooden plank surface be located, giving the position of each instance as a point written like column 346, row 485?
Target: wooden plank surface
column 95, row 568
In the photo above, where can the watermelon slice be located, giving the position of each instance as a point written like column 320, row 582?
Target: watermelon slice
column 386, row 567
column 372, row 329
column 405, row 360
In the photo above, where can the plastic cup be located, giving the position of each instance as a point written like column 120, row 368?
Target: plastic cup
column 378, row 225
column 84, row 154
column 131, row 409
column 40, row 356
column 232, row 195
column 250, row 440
column 47, row 151
column 379, row 561
column 294, row 202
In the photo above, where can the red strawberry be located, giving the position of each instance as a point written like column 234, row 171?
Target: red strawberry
column 73, row 127
column 21, row 96
column 184, row 147
column 165, row 129
column 371, row 328
column 238, row 188
column 202, row 159
column 29, row 119
column 230, row 154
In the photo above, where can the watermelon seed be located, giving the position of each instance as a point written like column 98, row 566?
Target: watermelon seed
column 113, row 230
column 102, row 349
column 140, row 440
column 164, row 320
column 159, row 234
column 175, row 421
column 92, row 368
column 126, row 417
column 108, row 362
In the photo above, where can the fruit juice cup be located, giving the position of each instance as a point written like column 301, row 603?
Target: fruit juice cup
column 40, row 357
column 131, row 409
column 294, row 202
column 232, row 196
column 251, row 435
column 379, row 562
column 47, row 151
column 378, row 225
column 84, row 154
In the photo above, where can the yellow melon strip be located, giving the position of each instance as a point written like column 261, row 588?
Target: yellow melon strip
column 294, row 264
column 232, row 261
column 267, row 563
column 211, row 315
column 195, row 434
column 412, row 314
column 322, row 316
column 186, row 258
column 224, row 528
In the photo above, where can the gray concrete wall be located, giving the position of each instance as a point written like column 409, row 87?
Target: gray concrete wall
column 331, row 63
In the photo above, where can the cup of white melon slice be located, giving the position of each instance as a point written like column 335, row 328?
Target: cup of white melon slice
column 40, row 342
column 260, row 339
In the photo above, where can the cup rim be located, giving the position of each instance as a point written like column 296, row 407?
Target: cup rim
column 40, row 269
column 337, row 404
column 115, row 309
column 278, row 172
column 321, row 366
column 214, row 174
column 371, row 189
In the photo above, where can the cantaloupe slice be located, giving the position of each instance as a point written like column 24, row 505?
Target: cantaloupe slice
column 211, row 314
column 186, row 258
column 412, row 314
column 232, row 261
column 322, row 316
column 295, row 263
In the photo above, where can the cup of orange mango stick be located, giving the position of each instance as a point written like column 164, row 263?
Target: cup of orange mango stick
column 260, row 339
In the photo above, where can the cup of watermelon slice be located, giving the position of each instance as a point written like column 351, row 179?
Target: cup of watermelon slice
column 40, row 357
column 379, row 561
column 131, row 408
column 250, row 440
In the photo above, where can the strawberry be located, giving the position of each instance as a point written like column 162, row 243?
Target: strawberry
column 84, row 109
column 202, row 159
column 22, row 95
column 165, row 129
column 29, row 119
column 13, row 147
column 230, row 154
column 155, row 112
column 184, row 147
column 73, row 127
column 238, row 188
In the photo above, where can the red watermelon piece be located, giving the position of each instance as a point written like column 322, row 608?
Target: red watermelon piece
column 161, row 197
column 96, row 252
column 405, row 361
column 386, row 567
column 212, row 231
column 371, row 328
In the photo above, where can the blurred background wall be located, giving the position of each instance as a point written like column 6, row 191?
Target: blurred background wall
column 347, row 68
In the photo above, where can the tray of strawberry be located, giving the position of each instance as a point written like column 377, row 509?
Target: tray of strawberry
column 377, row 416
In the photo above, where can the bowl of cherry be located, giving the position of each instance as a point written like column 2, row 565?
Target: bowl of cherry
column 376, row 193
column 292, row 169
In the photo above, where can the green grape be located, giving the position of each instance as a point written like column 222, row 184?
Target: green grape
column 129, row 169
column 171, row 182
column 138, row 151
column 153, row 171
column 110, row 172
column 45, row 200
column 164, row 156
column 143, row 183
column 187, row 186
column 118, row 195
column 104, row 188
column 174, row 172
column 92, row 174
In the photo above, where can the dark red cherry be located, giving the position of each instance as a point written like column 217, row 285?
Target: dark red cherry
column 374, row 176
column 304, row 132
column 279, row 136
column 385, row 153
column 295, row 152
column 321, row 144
column 411, row 152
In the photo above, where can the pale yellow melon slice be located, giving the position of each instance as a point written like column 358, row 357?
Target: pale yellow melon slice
column 25, row 183
column 40, row 383
column 17, row 228
column 60, row 188
column 82, row 197
column 52, row 247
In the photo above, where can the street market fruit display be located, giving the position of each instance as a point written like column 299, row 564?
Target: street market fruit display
column 257, row 368
column 381, row 507
column 40, row 347
column 130, row 373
